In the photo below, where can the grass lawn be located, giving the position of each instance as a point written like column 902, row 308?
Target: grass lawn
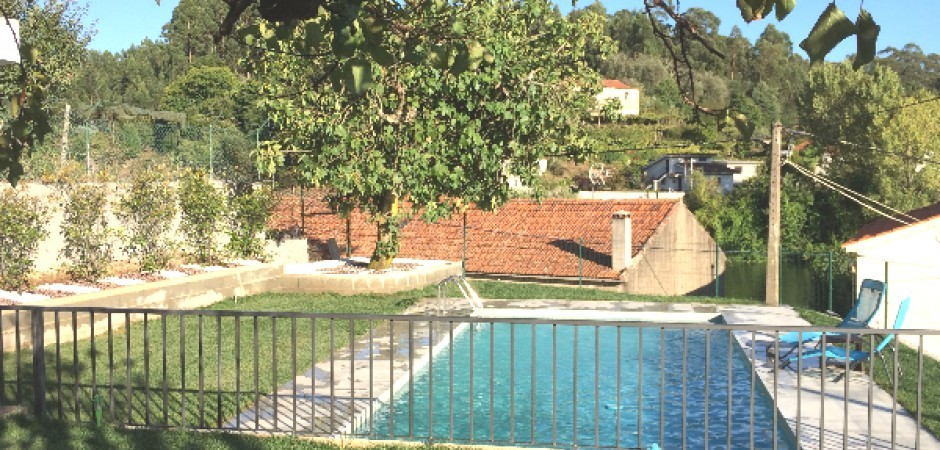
column 907, row 385
column 232, row 370
column 27, row 433
column 512, row 290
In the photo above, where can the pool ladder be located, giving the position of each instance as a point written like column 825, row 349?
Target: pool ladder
column 465, row 289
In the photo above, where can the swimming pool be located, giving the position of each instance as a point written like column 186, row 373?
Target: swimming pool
column 574, row 395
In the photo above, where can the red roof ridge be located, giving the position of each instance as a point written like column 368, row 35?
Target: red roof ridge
column 615, row 84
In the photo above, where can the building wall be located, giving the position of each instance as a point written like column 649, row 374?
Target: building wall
column 678, row 260
column 748, row 169
column 629, row 99
column 909, row 261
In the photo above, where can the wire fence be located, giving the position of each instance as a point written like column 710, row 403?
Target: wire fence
column 103, row 149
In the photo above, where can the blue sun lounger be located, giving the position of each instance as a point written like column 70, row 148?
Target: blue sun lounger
column 863, row 311
column 852, row 359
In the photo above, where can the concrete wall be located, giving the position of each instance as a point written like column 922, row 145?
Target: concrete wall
column 908, row 259
column 627, row 195
column 679, row 259
column 389, row 282
column 48, row 257
column 191, row 292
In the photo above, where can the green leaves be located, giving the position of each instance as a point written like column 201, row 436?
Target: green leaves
column 831, row 28
column 784, row 7
column 22, row 228
column 85, row 231
column 355, row 77
column 752, row 10
column 867, row 36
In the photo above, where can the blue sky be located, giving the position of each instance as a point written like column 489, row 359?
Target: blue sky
column 122, row 23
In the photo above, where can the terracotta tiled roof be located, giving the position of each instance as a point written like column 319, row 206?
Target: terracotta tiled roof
column 521, row 238
column 615, row 84
column 885, row 225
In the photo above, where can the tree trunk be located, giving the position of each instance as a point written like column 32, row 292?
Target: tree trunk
column 386, row 241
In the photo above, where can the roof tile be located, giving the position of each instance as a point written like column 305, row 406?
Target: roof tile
column 522, row 238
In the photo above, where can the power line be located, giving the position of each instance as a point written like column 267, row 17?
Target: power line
column 852, row 195
column 924, row 160
column 909, row 105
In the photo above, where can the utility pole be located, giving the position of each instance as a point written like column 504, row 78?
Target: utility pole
column 773, row 234
column 64, row 154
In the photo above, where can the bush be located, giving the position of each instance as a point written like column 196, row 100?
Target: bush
column 22, row 227
column 248, row 216
column 85, row 229
column 147, row 211
column 202, row 207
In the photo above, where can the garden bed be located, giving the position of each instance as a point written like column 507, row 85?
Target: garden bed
column 55, row 289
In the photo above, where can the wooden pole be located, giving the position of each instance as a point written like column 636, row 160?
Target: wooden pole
column 773, row 234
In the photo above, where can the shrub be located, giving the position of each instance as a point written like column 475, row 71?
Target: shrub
column 22, row 227
column 147, row 211
column 248, row 216
column 202, row 207
column 85, row 229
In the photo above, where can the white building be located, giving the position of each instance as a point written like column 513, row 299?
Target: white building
column 907, row 258
column 629, row 97
column 673, row 172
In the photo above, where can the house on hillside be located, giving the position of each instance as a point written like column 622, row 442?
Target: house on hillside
column 673, row 172
column 629, row 97
column 642, row 246
column 907, row 257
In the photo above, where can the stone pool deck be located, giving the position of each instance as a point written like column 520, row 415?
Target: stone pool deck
column 338, row 405
column 862, row 433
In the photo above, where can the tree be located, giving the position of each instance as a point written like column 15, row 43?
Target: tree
column 202, row 208
column 52, row 36
column 429, row 135
column 204, row 92
column 879, row 140
column 917, row 70
column 642, row 70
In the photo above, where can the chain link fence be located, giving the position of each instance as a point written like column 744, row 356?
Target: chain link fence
column 112, row 150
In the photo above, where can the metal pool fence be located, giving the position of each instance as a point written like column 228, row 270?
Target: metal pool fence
column 564, row 383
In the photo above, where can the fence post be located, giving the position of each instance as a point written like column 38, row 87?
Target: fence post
column 830, row 279
column 580, row 261
column 717, row 250
column 211, row 163
column 39, row 362
column 780, row 276
column 463, row 261
column 886, row 295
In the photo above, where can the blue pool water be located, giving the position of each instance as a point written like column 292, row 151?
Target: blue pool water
column 509, row 410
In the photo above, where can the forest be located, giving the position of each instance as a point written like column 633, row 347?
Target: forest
column 188, row 100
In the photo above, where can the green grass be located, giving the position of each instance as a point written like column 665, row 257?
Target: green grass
column 907, row 385
column 27, row 433
column 512, row 290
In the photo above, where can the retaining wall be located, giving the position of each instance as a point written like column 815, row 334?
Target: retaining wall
column 201, row 290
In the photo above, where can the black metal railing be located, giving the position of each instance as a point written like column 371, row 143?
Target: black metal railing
column 565, row 383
